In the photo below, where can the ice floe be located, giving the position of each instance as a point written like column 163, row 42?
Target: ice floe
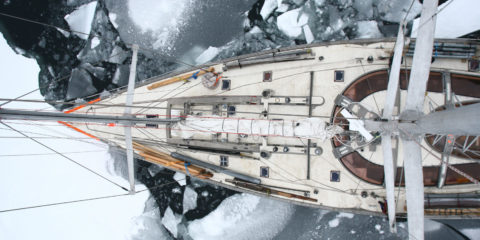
column 207, row 55
column 80, row 20
column 180, row 178
column 170, row 221
column 243, row 216
column 289, row 24
column 189, row 199
column 268, row 8
column 80, row 84
column 368, row 29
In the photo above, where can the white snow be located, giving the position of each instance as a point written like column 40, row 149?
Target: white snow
column 27, row 181
column 189, row 199
column 449, row 24
column 171, row 220
column 378, row 227
column 334, row 222
column 282, row 7
column 149, row 225
column 113, row 19
column 255, row 30
column 95, row 42
column 368, row 29
column 80, row 20
column 303, row 19
column 180, row 178
column 242, row 216
column 268, row 8
column 345, row 215
column 207, row 55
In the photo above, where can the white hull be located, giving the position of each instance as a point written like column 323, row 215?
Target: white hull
column 295, row 171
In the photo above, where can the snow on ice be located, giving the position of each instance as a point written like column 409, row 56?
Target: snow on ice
column 113, row 19
column 243, row 216
column 80, row 20
column 336, row 221
column 170, row 221
column 268, row 8
column 180, row 178
column 189, row 199
column 291, row 23
column 207, row 55
column 368, row 29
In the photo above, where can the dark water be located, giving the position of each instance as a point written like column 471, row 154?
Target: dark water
column 218, row 23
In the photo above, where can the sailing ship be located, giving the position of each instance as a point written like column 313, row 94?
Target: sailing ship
column 373, row 126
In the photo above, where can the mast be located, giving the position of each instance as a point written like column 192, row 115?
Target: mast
column 9, row 114
column 128, row 112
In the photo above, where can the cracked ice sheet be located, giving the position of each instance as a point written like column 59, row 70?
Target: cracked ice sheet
column 80, row 20
column 291, row 22
column 243, row 216
column 189, row 199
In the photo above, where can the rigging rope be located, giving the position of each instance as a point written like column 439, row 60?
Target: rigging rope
column 66, row 157
column 46, row 154
column 86, row 199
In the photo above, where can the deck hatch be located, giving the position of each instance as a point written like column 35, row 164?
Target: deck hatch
column 224, row 161
column 226, row 84
column 264, row 172
column 339, row 76
column 267, row 76
column 334, row 176
column 151, row 125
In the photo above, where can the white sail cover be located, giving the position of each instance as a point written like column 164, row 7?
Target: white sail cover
column 313, row 128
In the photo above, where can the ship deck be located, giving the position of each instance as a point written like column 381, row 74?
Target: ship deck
column 305, row 86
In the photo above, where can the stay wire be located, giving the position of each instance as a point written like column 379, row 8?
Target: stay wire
column 87, row 199
column 63, row 203
column 95, row 35
column 46, row 154
column 66, row 157
column 433, row 16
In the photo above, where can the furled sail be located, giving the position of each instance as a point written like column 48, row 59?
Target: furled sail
column 311, row 128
